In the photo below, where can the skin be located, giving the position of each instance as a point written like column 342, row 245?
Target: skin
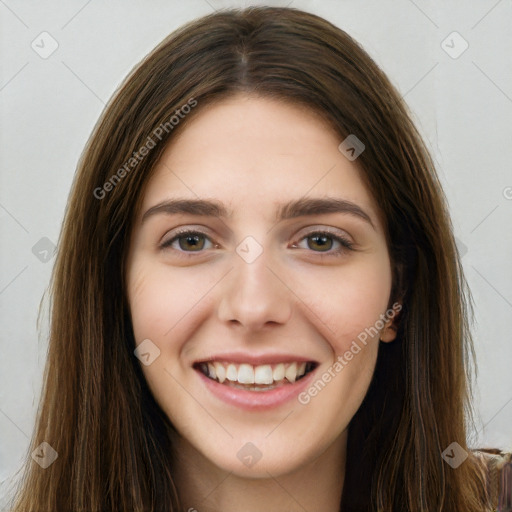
column 252, row 154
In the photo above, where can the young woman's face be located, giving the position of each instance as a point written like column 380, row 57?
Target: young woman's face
column 254, row 288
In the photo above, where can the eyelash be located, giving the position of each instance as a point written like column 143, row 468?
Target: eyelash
column 346, row 245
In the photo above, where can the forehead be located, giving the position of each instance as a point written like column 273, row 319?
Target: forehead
column 254, row 153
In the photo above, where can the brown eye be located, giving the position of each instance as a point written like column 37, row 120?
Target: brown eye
column 323, row 242
column 194, row 242
column 187, row 241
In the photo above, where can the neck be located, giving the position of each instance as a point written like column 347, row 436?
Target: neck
column 317, row 485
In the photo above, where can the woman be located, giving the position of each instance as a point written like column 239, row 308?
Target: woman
column 257, row 301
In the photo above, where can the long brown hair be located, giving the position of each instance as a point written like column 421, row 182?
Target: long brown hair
column 96, row 410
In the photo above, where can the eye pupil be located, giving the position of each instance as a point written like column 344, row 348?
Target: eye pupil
column 322, row 243
column 193, row 240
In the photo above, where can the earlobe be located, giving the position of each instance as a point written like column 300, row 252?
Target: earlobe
column 388, row 333
column 390, row 329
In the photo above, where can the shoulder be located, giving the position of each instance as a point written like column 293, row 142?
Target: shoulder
column 497, row 466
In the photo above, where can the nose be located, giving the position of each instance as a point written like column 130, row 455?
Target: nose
column 255, row 294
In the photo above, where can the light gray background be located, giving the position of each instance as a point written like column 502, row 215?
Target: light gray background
column 463, row 107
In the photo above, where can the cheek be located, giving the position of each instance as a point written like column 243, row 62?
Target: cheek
column 163, row 305
column 339, row 390
column 347, row 307
column 160, row 300
column 348, row 302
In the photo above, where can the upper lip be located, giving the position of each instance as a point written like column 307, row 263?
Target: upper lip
column 254, row 359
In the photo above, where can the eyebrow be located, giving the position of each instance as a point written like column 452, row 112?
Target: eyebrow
column 296, row 208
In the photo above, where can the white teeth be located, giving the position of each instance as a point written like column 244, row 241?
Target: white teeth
column 232, row 373
column 278, row 373
column 246, row 374
column 220, row 370
column 291, row 372
column 263, row 374
column 211, row 371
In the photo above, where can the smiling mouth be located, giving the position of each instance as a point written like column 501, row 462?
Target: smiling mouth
column 255, row 378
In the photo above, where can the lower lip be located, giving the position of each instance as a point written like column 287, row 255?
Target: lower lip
column 256, row 400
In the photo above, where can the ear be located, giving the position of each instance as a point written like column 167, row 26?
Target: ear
column 398, row 292
column 390, row 328
column 388, row 332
